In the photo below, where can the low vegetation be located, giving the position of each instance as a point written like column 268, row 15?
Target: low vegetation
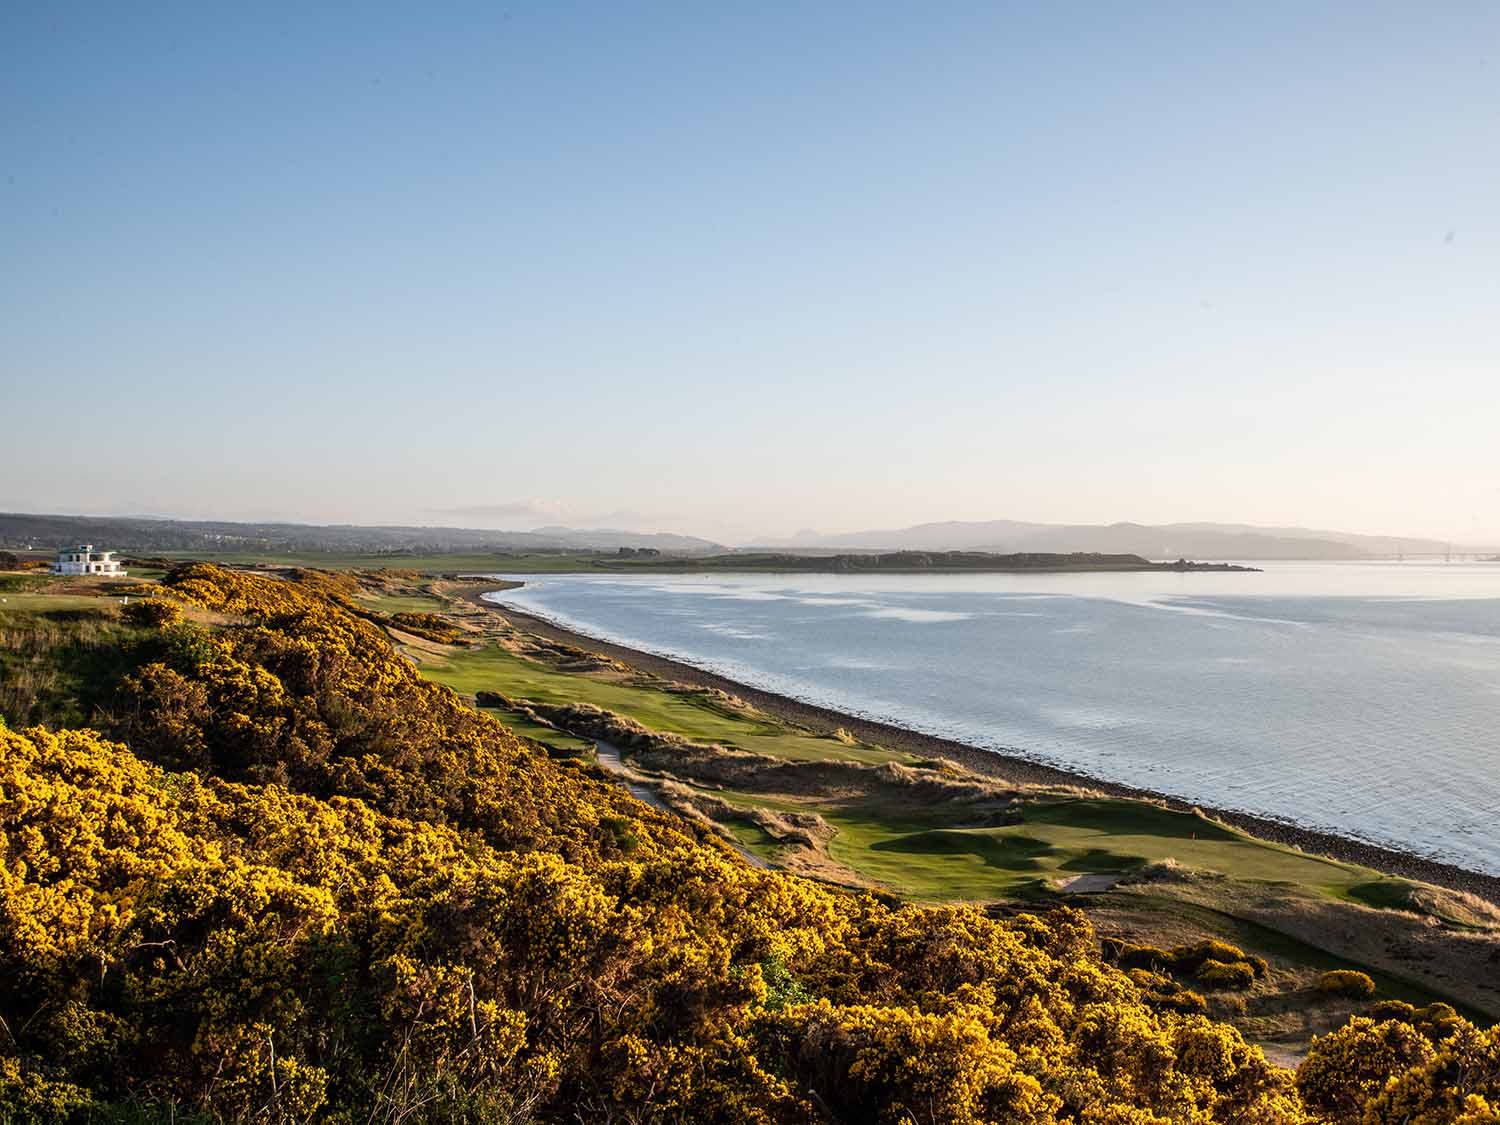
column 288, row 879
column 799, row 799
column 1347, row 982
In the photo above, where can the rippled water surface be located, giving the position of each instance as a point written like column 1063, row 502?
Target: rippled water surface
column 1362, row 698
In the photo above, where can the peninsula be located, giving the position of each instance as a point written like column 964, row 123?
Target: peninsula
column 901, row 562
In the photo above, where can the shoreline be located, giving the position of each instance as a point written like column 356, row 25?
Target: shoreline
column 996, row 764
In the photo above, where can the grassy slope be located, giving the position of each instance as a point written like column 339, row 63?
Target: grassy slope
column 1060, row 838
column 916, row 851
column 59, row 652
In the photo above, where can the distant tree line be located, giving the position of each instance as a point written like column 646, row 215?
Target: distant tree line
column 44, row 532
column 913, row 561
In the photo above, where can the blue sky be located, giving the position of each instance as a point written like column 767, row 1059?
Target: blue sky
column 748, row 268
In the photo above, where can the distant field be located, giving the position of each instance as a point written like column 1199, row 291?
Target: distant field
column 446, row 564
column 588, row 562
column 538, row 733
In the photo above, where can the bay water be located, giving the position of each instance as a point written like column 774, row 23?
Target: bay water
column 1356, row 698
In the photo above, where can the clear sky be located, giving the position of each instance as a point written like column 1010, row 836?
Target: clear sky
column 744, row 268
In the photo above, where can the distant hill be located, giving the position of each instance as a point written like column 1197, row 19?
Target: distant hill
column 1164, row 541
column 909, row 562
column 129, row 533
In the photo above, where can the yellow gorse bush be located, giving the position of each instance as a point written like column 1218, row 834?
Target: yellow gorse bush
column 305, row 885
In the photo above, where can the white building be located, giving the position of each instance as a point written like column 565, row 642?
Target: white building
column 83, row 559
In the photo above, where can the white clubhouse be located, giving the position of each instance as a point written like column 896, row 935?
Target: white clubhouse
column 83, row 559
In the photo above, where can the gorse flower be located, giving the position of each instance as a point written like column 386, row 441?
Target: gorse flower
column 309, row 885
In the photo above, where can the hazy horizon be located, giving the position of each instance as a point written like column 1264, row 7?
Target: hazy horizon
column 741, row 272
column 810, row 537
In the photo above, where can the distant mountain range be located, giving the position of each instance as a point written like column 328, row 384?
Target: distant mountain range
column 1202, row 541
column 141, row 534
column 1163, row 541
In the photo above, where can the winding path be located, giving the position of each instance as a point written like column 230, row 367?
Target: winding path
column 608, row 756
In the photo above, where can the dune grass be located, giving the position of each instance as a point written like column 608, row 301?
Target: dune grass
column 60, row 657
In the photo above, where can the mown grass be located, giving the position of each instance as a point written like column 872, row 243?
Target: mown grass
column 526, row 728
column 52, row 603
column 403, row 603
column 691, row 715
column 923, row 854
column 1057, row 838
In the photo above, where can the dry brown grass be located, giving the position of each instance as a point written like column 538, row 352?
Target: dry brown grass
column 1412, row 947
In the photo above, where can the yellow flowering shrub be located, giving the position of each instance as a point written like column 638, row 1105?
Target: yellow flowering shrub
column 302, row 884
column 1347, row 982
column 156, row 613
column 1345, row 1068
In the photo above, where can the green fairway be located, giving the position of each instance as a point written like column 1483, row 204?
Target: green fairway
column 1058, row 838
column 526, row 728
column 402, row 603
column 53, row 603
column 690, row 714
column 927, row 853
column 922, row 851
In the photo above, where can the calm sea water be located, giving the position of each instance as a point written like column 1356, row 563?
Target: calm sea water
column 1360, row 698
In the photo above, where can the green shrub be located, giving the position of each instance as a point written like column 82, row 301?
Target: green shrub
column 1225, row 974
column 1347, row 982
column 782, row 988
